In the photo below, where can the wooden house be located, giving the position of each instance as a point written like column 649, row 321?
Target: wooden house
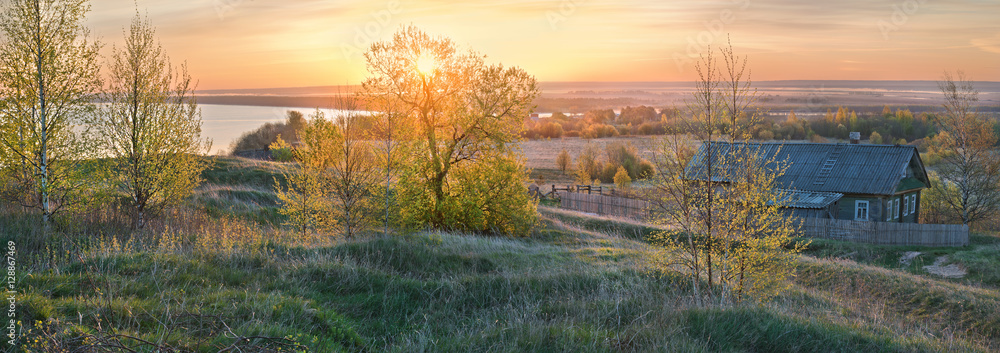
column 839, row 181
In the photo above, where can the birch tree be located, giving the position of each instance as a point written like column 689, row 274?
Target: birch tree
column 151, row 125
column 969, row 163
column 333, row 189
column 49, row 75
column 727, row 229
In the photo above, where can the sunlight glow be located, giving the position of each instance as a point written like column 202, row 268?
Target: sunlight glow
column 426, row 64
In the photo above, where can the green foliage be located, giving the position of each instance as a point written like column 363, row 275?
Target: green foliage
column 627, row 156
column 281, row 151
column 875, row 138
column 462, row 116
column 334, row 188
column 936, row 202
column 482, row 197
column 151, row 126
column 44, row 100
column 290, row 130
column 730, row 239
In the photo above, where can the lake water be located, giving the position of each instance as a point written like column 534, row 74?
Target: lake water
column 225, row 123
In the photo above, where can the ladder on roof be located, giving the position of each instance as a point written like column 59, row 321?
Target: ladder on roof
column 831, row 160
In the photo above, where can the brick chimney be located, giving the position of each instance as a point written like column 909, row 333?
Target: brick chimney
column 855, row 137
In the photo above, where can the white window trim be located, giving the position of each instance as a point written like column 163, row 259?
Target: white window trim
column 888, row 210
column 913, row 203
column 906, row 206
column 895, row 213
column 857, row 208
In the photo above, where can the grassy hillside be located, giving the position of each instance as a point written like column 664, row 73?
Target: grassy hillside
column 219, row 275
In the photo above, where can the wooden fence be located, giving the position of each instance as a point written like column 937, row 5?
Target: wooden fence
column 886, row 233
column 883, row 233
column 605, row 205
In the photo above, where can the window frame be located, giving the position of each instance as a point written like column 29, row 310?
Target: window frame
column 913, row 204
column 858, row 208
column 906, row 206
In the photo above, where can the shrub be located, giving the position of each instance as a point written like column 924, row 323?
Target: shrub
column 622, row 179
column 281, row 151
column 563, row 160
column 599, row 131
column 550, row 130
column 264, row 136
column 875, row 138
column 651, row 129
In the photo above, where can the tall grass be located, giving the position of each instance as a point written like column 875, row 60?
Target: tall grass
column 199, row 281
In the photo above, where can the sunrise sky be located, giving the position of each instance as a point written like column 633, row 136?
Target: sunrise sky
column 284, row 43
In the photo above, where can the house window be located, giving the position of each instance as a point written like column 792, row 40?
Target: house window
column 888, row 210
column 860, row 210
column 895, row 209
column 913, row 203
column 906, row 205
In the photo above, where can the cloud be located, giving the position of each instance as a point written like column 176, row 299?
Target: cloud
column 276, row 42
column 989, row 44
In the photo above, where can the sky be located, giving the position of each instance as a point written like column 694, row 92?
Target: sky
column 234, row 44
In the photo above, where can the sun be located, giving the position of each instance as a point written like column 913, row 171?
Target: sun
column 426, row 64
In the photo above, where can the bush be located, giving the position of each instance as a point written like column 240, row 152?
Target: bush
column 599, row 131
column 281, row 151
column 651, row 129
column 622, row 179
column 264, row 136
column 563, row 160
column 875, row 138
column 550, row 130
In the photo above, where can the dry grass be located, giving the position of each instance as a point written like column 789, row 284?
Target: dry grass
column 200, row 282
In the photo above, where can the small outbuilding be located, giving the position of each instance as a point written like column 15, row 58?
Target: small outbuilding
column 835, row 180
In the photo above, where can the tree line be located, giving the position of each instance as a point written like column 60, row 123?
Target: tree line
column 435, row 151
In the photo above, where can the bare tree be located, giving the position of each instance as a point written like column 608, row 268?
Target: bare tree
column 969, row 162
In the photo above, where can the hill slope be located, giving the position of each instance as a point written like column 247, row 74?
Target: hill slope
column 578, row 284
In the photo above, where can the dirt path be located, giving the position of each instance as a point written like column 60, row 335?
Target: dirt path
column 908, row 257
column 948, row 271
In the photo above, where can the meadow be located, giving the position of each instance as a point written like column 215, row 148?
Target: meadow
column 221, row 274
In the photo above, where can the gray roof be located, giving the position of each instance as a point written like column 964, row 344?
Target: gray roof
column 823, row 167
column 808, row 199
